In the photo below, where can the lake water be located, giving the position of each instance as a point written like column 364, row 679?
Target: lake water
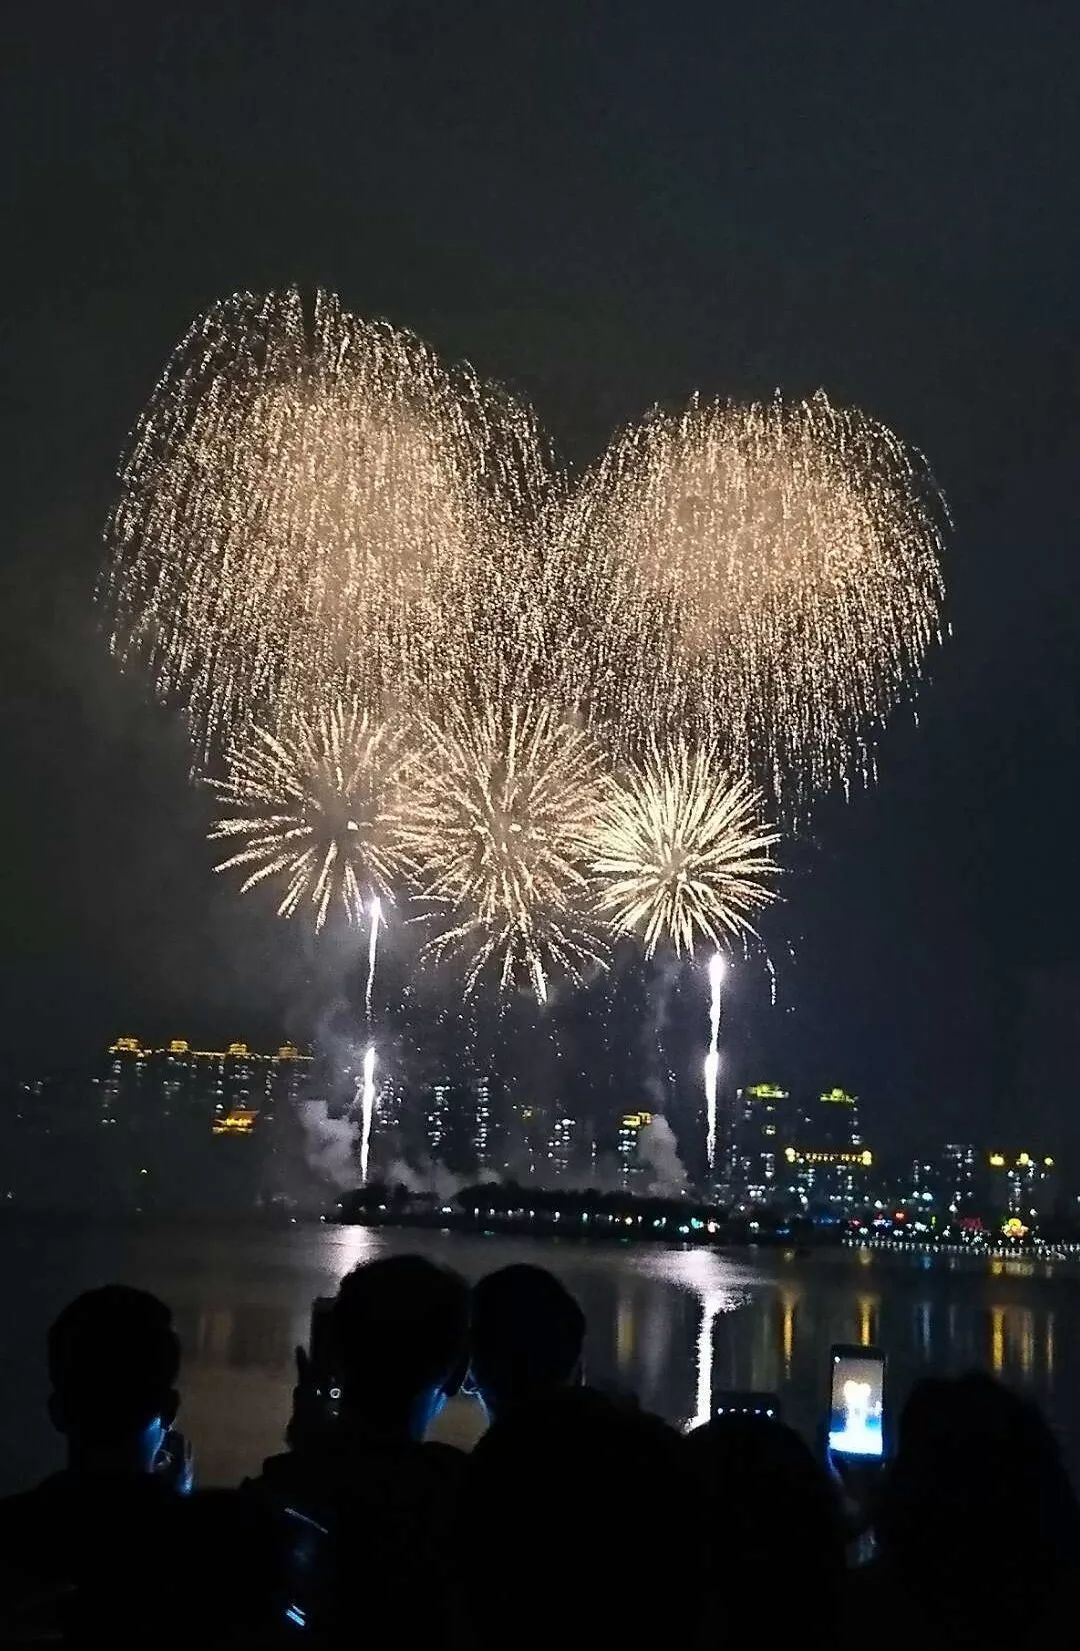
column 675, row 1326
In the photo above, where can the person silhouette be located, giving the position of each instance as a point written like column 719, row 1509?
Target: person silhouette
column 527, row 1337
column 371, row 1504
column 84, row 1547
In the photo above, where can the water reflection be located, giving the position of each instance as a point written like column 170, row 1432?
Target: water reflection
column 676, row 1328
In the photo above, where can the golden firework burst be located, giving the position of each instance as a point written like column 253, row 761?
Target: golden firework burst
column 315, row 812
column 498, row 821
column 681, row 854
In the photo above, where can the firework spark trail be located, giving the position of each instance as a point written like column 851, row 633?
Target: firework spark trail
column 309, row 503
column 375, row 913
column 680, row 854
column 499, row 820
column 366, row 1086
column 712, row 1058
column 315, row 811
column 313, row 507
column 763, row 576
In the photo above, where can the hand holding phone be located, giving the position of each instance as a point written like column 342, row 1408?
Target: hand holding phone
column 317, row 1395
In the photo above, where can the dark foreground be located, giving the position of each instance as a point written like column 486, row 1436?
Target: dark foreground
column 362, row 1526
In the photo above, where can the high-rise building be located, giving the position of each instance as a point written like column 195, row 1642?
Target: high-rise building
column 631, row 1125
column 460, row 1127
column 569, row 1141
column 758, row 1131
column 437, row 1117
column 482, row 1121
column 827, row 1162
column 524, row 1138
column 1022, row 1185
column 959, row 1178
column 177, row 1081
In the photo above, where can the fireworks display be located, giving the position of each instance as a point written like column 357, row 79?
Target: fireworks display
column 308, row 503
column 425, row 671
column 499, row 821
column 773, row 573
column 315, row 813
column 681, row 854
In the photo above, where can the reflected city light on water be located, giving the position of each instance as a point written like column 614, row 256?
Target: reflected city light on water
column 675, row 1328
column 787, row 1333
column 714, row 1283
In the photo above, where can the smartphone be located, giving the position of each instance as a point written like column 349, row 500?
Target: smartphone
column 857, row 1401
column 735, row 1403
column 322, row 1351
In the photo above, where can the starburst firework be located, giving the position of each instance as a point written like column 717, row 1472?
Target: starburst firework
column 499, row 819
column 316, row 812
column 681, row 853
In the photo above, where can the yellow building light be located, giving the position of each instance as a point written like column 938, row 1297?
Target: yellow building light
column 1024, row 1159
column 1049, row 1162
column 240, row 1121
column 866, row 1157
column 789, row 1154
column 125, row 1046
column 839, row 1097
column 997, row 1160
column 179, row 1046
column 237, row 1049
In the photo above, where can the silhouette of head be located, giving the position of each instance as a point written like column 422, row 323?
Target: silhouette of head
column 966, row 1445
column 401, row 1327
column 771, row 1508
column 527, row 1336
column 113, row 1362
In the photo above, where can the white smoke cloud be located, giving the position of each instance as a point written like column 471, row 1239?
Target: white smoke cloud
column 330, row 1143
column 400, row 1173
column 663, row 985
column 658, row 1151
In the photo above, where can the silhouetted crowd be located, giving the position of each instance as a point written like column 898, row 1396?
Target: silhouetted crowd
column 578, row 1519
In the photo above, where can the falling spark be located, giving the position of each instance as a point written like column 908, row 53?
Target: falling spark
column 315, row 811
column 375, row 912
column 765, row 576
column 366, row 1086
column 681, row 854
column 499, row 820
column 311, row 502
column 712, row 1059
column 313, row 505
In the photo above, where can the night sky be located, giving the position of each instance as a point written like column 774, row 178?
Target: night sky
column 603, row 205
